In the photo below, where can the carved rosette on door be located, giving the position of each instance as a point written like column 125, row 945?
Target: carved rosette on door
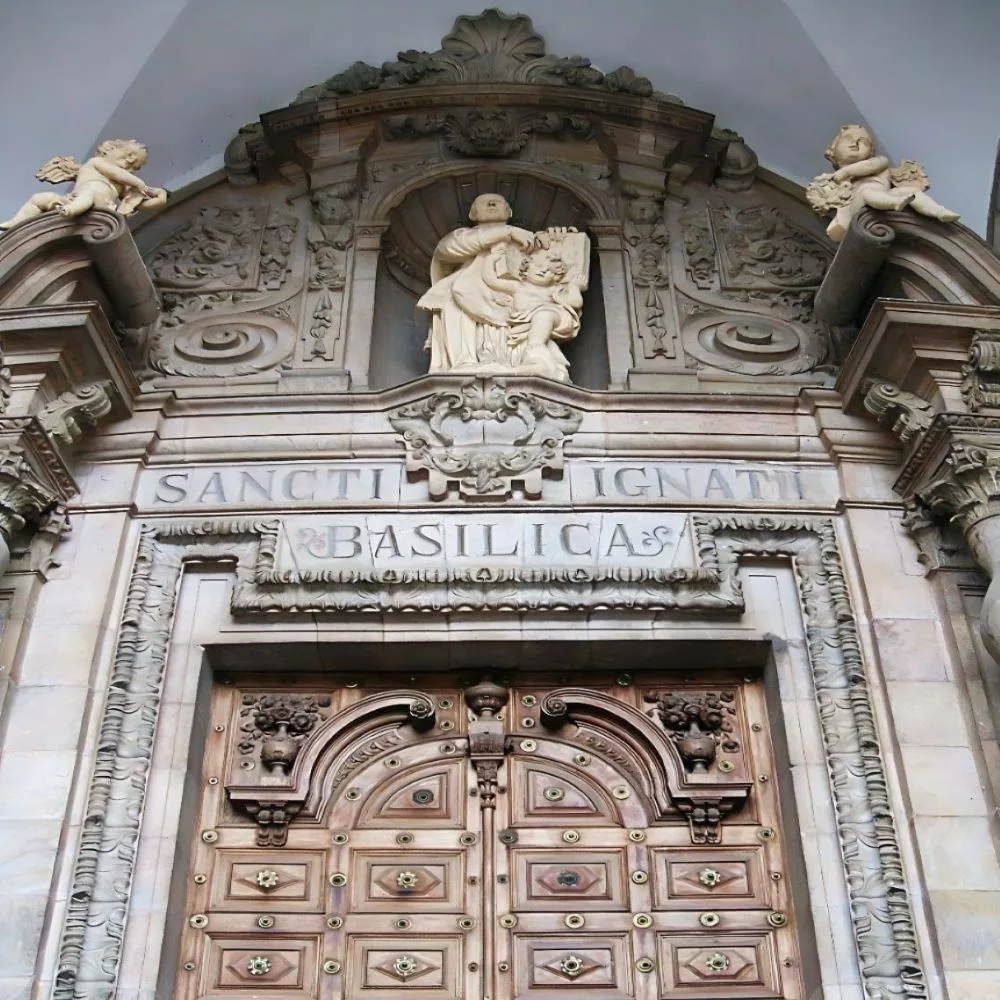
column 491, row 840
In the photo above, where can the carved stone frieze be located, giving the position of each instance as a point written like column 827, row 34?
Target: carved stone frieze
column 904, row 413
column 981, row 374
column 489, row 47
column 217, row 250
column 880, row 910
column 330, row 235
column 70, row 413
column 485, row 436
column 699, row 247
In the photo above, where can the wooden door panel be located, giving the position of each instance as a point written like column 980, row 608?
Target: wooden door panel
column 492, row 850
column 713, row 969
column 238, row 966
column 415, row 881
column 556, row 965
column 420, row 967
column 709, row 878
column 433, row 796
column 569, row 880
column 286, row 881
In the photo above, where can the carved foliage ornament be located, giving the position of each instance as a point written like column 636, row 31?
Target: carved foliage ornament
column 233, row 332
column 488, row 131
column 489, row 47
column 485, row 437
column 217, row 250
column 648, row 241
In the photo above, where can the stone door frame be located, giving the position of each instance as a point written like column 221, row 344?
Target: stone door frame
column 881, row 921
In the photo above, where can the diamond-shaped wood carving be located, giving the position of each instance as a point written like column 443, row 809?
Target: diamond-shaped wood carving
column 566, row 880
column 584, row 966
column 259, row 967
column 716, row 963
column 407, row 880
column 405, row 968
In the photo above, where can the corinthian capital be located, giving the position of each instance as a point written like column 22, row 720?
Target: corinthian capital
column 23, row 498
column 967, row 487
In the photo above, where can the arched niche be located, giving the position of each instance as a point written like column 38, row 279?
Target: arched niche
column 425, row 213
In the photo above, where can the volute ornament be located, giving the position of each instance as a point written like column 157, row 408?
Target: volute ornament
column 981, row 374
column 484, row 436
column 905, row 413
column 67, row 416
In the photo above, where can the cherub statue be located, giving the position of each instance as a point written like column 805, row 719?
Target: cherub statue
column 104, row 181
column 864, row 178
column 546, row 298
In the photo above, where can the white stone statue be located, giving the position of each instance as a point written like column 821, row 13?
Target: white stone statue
column 104, row 181
column 502, row 298
column 864, row 178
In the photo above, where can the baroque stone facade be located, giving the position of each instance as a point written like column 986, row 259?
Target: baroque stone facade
column 735, row 553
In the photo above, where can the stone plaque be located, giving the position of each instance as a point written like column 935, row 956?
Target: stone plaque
column 495, row 539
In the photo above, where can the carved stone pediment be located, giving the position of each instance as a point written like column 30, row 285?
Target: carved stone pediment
column 485, row 435
column 491, row 47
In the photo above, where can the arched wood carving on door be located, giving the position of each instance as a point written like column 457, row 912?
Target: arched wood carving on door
column 496, row 840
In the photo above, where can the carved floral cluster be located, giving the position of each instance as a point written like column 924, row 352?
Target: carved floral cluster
column 293, row 716
column 710, row 714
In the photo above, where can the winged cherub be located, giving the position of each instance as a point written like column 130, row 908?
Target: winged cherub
column 104, row 181
column 864, row 178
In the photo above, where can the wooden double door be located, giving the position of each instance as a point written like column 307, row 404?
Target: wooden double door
column 489, row 838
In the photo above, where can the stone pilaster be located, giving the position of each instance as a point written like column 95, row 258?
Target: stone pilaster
column 946, row 417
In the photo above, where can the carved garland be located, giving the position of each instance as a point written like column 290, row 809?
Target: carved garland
column 90, row 949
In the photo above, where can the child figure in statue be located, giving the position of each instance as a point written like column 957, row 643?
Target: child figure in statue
column 864, row 178
column 104, row 181
column 545, row 306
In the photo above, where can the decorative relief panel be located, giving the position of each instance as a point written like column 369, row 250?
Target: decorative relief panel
column 760, row 248
column 228, row 307
column 648, row 240
column 217, row 251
